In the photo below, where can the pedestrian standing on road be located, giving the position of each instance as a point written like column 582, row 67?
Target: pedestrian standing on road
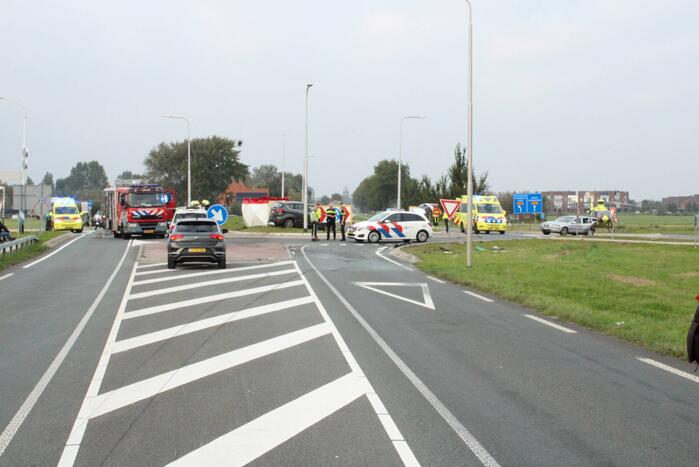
column 330, row 218
column 445, row 216
column 315, row 218
column 342, row 211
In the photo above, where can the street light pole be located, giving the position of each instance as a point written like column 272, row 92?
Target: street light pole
column 189, row 156
column 469, row 148
column 24, row 169
column 400, row 156
column 283, row 160
column 305, row 169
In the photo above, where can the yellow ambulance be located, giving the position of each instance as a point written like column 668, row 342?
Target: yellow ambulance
column 65, row 215
column 488, row 215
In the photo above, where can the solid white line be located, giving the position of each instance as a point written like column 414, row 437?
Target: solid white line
column 196, row 285
column 553, row 325
column 402, row 448
column 45, row 257
column 674, row 371
column 428, row 303
column 378, row 253
column 175, row 331
column 150, row 265
column 78, row 431
column 9, row 432
column 7, row 275
column 211, row 298
column 439, row 281
column 144, row 389
column 208, row 273
column 252, row 440
column 473, row 444
column 485, row 299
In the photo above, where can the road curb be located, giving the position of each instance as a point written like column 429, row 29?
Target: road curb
column 55, row 241
column 404, row 255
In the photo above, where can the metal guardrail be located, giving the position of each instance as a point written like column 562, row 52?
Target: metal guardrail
column 14, row 245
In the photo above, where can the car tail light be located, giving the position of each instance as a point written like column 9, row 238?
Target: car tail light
column 216, row 236
column 176, row 237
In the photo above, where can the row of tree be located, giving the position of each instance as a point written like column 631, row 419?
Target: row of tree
column 379, row 190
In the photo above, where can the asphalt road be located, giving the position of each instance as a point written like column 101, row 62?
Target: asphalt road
column 335, row 354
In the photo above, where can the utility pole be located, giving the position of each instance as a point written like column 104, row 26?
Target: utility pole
column 283, row 159
column 304, row 195
column 469, row 148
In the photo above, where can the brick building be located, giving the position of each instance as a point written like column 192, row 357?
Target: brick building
column 236, row 191
column 569, row 201
column 683, row 203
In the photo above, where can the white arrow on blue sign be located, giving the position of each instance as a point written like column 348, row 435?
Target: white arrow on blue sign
column 217, row 213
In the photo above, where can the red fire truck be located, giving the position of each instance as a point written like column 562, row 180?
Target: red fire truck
column 134, row 208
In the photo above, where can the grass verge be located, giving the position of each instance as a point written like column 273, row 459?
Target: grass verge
column 641, row 293
column 20, row 256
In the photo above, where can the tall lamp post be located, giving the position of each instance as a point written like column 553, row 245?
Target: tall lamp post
column 400, row 156
column 24, row 162
column 283, row 160
column 189, row 156
column 469, row 147
column 305, row 168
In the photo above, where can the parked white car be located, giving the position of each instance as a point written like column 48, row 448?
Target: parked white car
column 392, row 226
column 565, row 225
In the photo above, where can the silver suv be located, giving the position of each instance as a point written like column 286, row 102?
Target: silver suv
column 565, row 225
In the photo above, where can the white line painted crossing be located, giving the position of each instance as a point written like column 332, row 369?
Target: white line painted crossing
column 209, row 273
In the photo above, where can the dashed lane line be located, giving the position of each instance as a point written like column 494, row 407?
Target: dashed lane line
column 24, row 410
column 469, row 440
column 674, row 371
column 480, row 297
column 7, row 275
column 45, row 257
column 439, row 281
column 196, row 285
column 176, row 331
column 553, row 325
column 209, row 273
column 211, row 298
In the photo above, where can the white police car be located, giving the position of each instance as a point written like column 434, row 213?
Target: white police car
column 392, row 226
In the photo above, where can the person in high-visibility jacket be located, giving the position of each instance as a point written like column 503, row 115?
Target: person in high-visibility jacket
column 445, row 216
column 343, row 214
column 436, row 212
column 330, row 218
column 315, row 218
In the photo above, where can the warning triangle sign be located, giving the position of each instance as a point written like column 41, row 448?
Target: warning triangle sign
column 450, row 206
column 422, row 287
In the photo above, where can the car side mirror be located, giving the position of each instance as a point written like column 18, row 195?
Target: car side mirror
column 224, row 231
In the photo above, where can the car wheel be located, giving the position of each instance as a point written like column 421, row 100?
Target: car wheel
column 289, row 223
column 126, row 236
column 79, row 231
column 591, row 233
column 373, row 237
column 422, row 236
column 222, row 263
column 546, row 232
column 564, row 231
column 171, row 263
column 502, row 232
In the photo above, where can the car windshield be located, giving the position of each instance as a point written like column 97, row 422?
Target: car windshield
column 489, row 208
column 147, row 199
column 565, row 219
column 196, row 227
column 67, row 210
column 379, row 216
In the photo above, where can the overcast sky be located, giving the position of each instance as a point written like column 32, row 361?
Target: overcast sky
column 593, row 94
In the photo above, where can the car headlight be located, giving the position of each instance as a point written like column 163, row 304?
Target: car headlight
column 132, row 225
column 162, row 225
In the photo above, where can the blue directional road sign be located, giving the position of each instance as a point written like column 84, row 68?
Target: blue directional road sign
column 217, row 213
column 527, row 203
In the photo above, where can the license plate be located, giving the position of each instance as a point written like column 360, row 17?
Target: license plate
column 197, row 250
column 148, row 231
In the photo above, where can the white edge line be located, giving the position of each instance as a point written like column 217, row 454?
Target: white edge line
column 24, row 410
column 674, row 371
column 208, row 273
column 149, row 265
column 471, row 442
column 400, row 445
column 78, row 430
column 378, row 253
column 7, row 275
column 481, row 297
column 553, row 325
column 45, row 257
column 439, row 281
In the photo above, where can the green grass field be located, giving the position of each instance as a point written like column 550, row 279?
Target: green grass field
column 636, row 224
column 641, row 293
column 25, row 254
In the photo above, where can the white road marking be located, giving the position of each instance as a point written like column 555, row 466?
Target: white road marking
column 26, row 407
column 150, row 265
column 473, row 444
column 211, row 298
column 427, row 298
column 485, row 299
column 144, row 389
column 400, row 445
column 252, row 440
column 674, row 371
column 7, row 275
column 209, row 273
column 553, row 325
column 175, row 331
column 45, row 257
column 439, row 281
column 378, row 253
column 196, row 285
